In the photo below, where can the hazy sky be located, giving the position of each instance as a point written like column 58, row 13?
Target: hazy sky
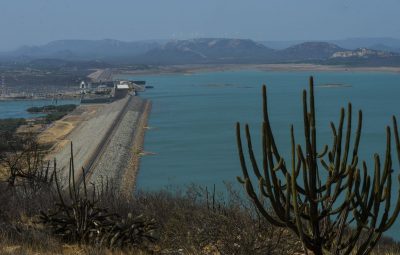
column 33, row 22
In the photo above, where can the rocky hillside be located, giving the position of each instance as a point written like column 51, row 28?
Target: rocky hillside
column 198, row 51
column 364, row 53
column 309, row 51
column 85, row 49
column 209, row 50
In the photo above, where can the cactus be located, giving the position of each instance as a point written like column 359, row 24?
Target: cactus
column 79, row 218
column 342, row 210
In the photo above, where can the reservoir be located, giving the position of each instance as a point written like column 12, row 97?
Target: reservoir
column 192, row 123
column 17, row 108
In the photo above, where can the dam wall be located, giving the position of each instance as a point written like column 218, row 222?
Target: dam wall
column 114, row 163
column 108, row 144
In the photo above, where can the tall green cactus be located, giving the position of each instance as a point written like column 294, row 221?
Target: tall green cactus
column 336, row 212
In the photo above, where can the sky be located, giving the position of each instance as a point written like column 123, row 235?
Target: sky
column 36, row 22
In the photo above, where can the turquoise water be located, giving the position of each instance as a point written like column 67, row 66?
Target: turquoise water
column 17, row 108
column 193, row 119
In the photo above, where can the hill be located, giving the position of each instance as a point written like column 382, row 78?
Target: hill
column 365, row 57
column 375, row 43
column 209, row 50
column 85, row 49
column 309, row 51
column 106, row 53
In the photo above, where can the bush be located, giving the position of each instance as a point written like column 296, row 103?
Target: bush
column 52, row 108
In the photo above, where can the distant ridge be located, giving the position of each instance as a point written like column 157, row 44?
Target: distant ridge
column 364, row 53
column 209, row 50
column 374, row 43
column 204, row 51
column 309, row 51
column 85, row 49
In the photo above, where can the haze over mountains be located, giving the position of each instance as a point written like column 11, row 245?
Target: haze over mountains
column 382, row 51
column 379, row 43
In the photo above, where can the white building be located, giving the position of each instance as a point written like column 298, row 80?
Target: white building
column 84, row 87
column 121, row 90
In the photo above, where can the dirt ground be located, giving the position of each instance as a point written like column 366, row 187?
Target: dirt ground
column 56, row 134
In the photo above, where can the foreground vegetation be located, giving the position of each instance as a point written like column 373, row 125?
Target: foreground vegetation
column 186, row 224
column 193, row 221
column 39, row 215
column 342, row 211
column 10, row 125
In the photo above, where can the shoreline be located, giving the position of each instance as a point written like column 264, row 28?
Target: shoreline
column 79, row 124
column 129, row 178
column 192, row 69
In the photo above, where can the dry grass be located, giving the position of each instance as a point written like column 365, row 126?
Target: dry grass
column 193, row 221
column 62, row 249
column 57, row 131
column 55, row 135
column 32, row 129
column 189, row 222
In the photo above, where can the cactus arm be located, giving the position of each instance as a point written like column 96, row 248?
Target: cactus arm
column 295, row 170
column 351, row 241
column 396, row 138
column 332, row 153
column 296, row 212
column 358, row 135
column 240, row 150
column 248, row 184
column 339, row 143
column 275, row 187
column 323, row 152
column 260, row 207
column 377, row 191
column 288, row 192
column 396, row 211
column 305, row 179
column 269, row 130
column 386, row 199
column 347, row 141
column 265, row 164
column 251, row 153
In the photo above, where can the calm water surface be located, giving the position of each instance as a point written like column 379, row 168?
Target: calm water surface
column 193, row 119
column 17, row 109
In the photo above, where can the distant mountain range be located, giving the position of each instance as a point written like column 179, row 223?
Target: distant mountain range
column 209, row 50
column 308, row 51
column 84, row 49
column 358, row 51
column 378, row 43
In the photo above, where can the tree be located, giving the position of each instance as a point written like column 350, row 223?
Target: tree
column 339, row 211
column 22, row 162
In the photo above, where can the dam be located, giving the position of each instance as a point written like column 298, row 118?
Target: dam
column 107, row 141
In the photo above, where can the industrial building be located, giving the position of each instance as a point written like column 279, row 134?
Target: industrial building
column 121, row 90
